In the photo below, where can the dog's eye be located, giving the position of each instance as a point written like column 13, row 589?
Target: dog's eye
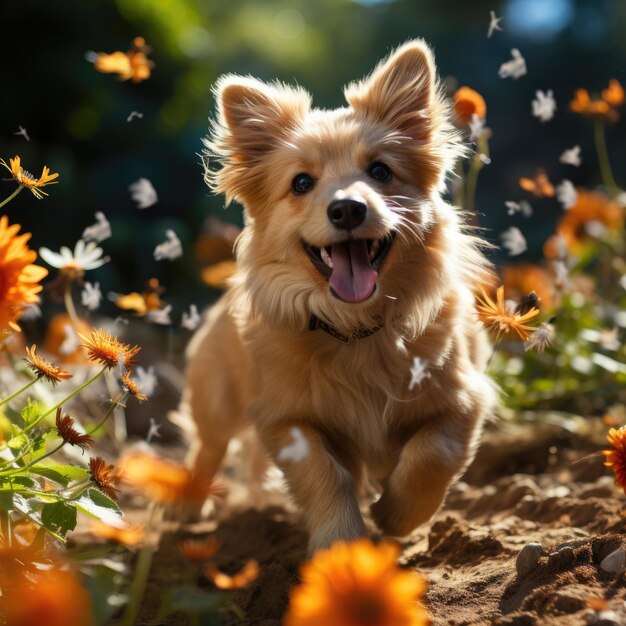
column 302, row 183
column 380, row 172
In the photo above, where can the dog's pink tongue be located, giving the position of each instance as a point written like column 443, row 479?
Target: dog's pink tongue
column 353, row 278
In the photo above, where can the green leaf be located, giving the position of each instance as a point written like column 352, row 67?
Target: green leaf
column 193, row 600
column 59, row 517
column 6, row 500
column 18, row 442
column 96, row 504
column 30, row 412
column 61, row 474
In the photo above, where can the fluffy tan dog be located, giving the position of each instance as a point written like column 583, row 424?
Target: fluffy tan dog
column 353, row 273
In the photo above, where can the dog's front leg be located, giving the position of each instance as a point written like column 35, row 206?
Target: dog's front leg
column 320, row 484
column 437, row 453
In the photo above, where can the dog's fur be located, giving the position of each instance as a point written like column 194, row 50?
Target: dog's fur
column 255, row 359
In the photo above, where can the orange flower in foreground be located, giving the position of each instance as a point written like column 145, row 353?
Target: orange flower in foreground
column 26, row 179
column 19, row 278
column 357, row 584
column 101, row 346
column 246, row 575
column 104, row 476
column 166, row 481
column 522, row 278
column 499, row 317
column 467, row 103
column 616, row 457
column 44, row 368
column 131, row 536
column 133, row 65
column 67, row 432
column 540, row 186
column 199, row 549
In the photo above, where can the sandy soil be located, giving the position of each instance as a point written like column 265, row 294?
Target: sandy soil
column 541, row 482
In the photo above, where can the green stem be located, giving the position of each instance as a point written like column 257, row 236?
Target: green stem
column 603, row 155
column 460, row 189
column 69, row 397
column 114, row 403
column 23, row 468
column 140, row 579
column 19, row 391
column 476, row 164
column 7, row 200
column 69, row 304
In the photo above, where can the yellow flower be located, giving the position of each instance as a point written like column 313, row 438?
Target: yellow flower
column 498, row 315
column 19, row 278
column 26, row 179
column 357, row 584
column 44, row 368
column 133, row 65
column 616, row 458
column 101, row 346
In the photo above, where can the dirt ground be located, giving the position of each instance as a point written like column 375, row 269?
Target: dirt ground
column 540, row 482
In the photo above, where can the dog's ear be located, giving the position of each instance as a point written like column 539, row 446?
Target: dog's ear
column 254, row 116
column 400, row 91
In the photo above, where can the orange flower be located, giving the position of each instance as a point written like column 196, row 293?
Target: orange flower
column 540, row 186
column 357, row 584
column 26, row 179
column 67, row 432
column 133, row 388
column 500, row 317
column 166, row 481
column 616, row 458
column 199, row 549
column 522, row 278
column 131, row 536
column 19, row 278
column 59, row 337
column 217, row 275
column 44, row 368
column 141, row 303
column 614, row 94
column 101, row 346
column 133, row 65
column 467, row 103
column 246, row 575
column 104, row 476
column 591, row 206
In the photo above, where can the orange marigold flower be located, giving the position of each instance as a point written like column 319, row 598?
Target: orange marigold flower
column 199, row 549
column 142, row 303
column 467, row 103
column 19, row 278
column 131, row 536
column 616, row 457
column 501, row 318
column 133, row 388
column 217, row 275
column 246, row 575
column 26, row 179
column 357, row 584
column 540, row 186
column 584, row 105
column 44, row 368
column 67, row 432
column 104, row 476
column 614, row 94
column 166, row 481
column 133, row 65
column 101, row 346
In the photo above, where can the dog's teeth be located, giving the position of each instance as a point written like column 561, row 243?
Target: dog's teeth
column 326, row 257
column 374, row 249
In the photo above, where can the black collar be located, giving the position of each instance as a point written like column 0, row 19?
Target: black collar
column 315, row 323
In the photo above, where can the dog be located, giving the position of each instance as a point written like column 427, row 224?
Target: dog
column 353, row 277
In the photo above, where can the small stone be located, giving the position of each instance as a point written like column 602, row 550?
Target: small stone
column 615, row 562
column 528, row 559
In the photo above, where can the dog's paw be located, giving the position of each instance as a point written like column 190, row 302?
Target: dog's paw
column 391, row 520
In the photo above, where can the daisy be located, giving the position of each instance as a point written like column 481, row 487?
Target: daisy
column 26, row 179
column 45, row 369
column 500, row 317
column 86, row 256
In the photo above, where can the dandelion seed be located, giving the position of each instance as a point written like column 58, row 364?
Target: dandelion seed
column 419, row 372
column 31, row 312
column 26, row 179
column 146, row 379
column 99, row 231
column 153, row 430
column 44, row 368
column 541, row 338
column 494, row 24
column 170, row 249
column 295, row 451
column 91, row 296
column 571, row 157
column 160, row 316
column 514, row 68
column 561, row 274
column 133, row 115
column 69, row 434
column 477, row 127
column 566, row 194
column 104, row 476
column 191, row 320
column 23, row 132
column 514, row 241
column 523, row 207
column 143, row 193
column 70, row 342
column 544, row 106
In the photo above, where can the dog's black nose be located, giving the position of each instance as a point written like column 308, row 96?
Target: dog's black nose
column 347, row 213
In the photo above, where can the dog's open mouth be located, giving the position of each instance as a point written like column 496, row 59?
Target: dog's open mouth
column 351, row 267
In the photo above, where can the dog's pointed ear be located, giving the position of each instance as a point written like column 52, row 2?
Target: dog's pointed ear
column 253, row 116
column 400, row 91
